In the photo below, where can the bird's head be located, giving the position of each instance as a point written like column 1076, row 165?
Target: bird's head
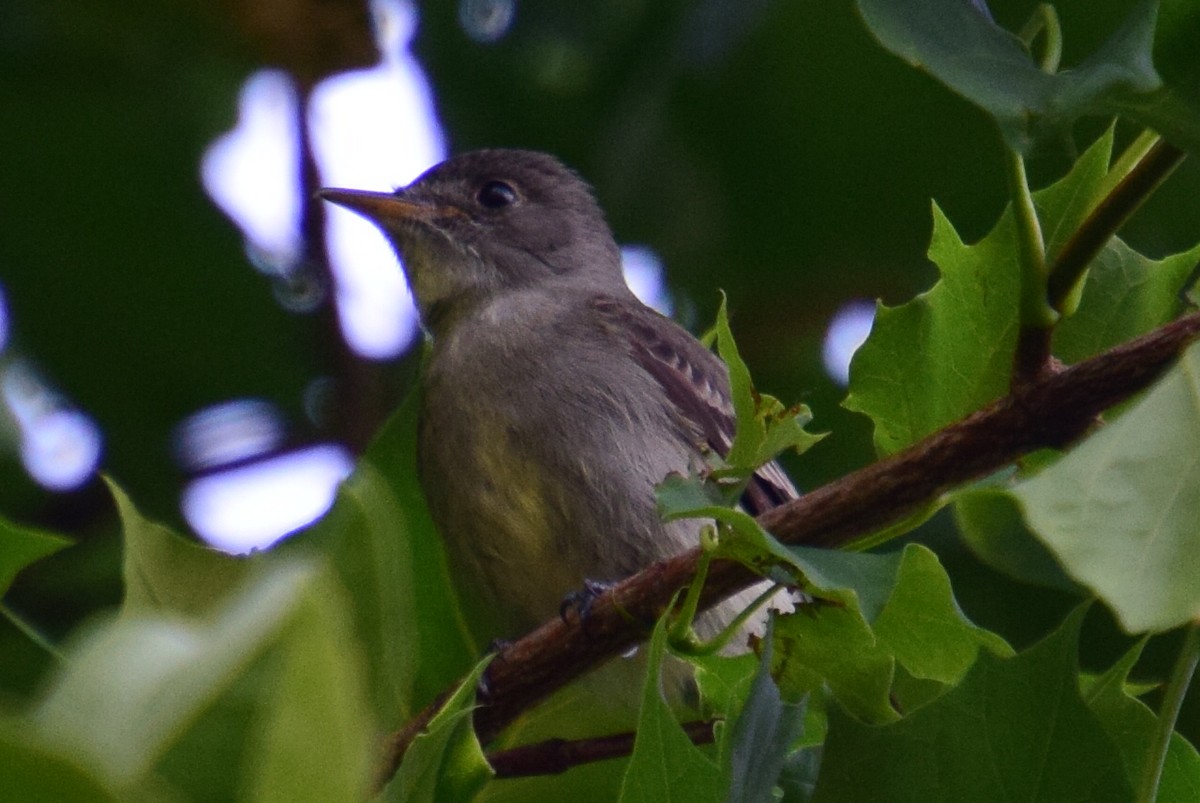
column 489, row 221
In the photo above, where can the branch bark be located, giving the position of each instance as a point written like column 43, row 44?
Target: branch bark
column 1051, row 411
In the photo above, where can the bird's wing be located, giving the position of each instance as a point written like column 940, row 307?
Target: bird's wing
column 697, row 383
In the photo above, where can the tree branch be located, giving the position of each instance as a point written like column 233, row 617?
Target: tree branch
column 1051, row 411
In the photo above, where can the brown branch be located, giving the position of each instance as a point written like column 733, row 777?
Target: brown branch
column 1052, row 411
column 556, row 756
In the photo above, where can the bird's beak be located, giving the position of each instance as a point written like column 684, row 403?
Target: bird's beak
column 385, row 207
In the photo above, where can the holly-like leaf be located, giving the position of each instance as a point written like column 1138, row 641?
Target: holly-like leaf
column 958, row 43
column 1120, row 510
column 1041, row 743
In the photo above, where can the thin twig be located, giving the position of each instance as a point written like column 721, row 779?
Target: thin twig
column 1051, row 411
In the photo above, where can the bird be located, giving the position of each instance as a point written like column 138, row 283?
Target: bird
column 553, row 401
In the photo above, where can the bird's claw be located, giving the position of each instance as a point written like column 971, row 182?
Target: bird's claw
column 581, row 601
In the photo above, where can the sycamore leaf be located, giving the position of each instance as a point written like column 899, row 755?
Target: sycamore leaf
column 1013, row 729
column 1119, row 511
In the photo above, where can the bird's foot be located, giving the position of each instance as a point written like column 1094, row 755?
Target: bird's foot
column 581, row 601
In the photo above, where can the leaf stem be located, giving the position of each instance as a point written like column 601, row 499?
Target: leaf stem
column 30, row 632
column 1044, row 20
column 1181, row 678
column 1031, row 246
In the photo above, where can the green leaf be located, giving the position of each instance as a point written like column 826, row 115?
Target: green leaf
column 1120, row 510
column 761, row 737
column 923, row 626
column 991, row 524
column 382, row 543
column 831, row 644
column 724, row 681
column 871, row 576
column 888, row 611
column 446, row 762
column 1131, row 724
column 1125, row 295
column 165, row 572
column 1174, row 109
column 21, row 546
column 765, row 427
column 949, row 351
column 665, row 765
column 958, row 44
column 134, row 687
column 313, row 737
column 1014, row 729
column 33, row 772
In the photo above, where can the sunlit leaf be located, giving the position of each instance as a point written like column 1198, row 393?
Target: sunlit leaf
column 134, row 686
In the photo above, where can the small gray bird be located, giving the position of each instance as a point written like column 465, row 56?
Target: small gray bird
column 553, row 400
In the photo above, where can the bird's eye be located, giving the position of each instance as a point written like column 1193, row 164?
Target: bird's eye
column 497, row 194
